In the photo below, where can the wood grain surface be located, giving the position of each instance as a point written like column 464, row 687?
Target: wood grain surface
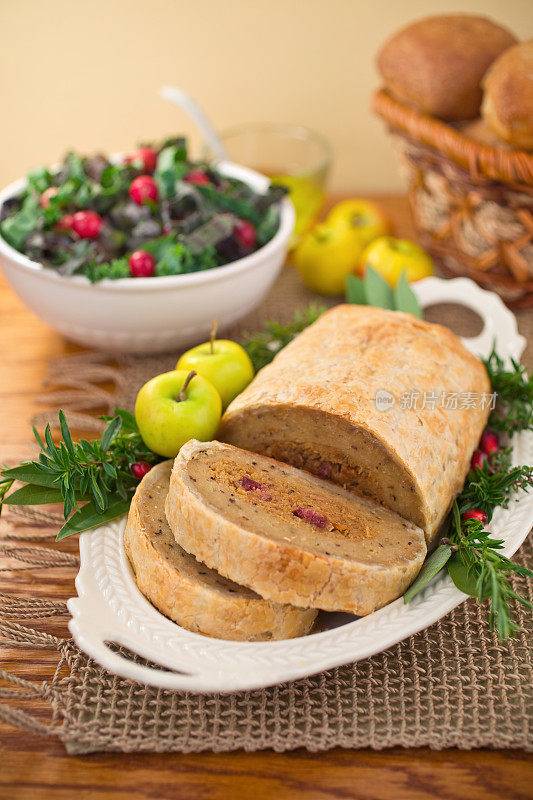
column 34, row 767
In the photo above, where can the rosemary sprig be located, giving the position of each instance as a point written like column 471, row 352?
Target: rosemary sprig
column 93, row 479
column 471, row 555
column 514, row 405
column 493, row 485
column 263, row 345
column 478, row 568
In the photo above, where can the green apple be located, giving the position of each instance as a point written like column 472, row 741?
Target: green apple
column 174, row 407
column 225, row 364
column 390, row 256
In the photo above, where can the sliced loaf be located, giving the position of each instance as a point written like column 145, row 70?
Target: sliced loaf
column 317, row 406
column 195, row 597
column 288, row 535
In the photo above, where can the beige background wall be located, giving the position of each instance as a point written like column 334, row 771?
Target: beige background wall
column 85, row 74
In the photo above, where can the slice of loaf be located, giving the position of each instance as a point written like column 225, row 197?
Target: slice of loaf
column 289, row 535
column 195, row 597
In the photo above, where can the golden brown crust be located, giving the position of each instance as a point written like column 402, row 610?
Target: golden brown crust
column 334, row 370
column 508, row 98
column 189, row 593
column 437, row 63
column 292, row 571
column 480, row 131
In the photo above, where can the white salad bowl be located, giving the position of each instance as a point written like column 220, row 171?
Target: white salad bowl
column 146, row 315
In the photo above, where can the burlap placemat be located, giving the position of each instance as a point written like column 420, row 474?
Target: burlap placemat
column 452, row 685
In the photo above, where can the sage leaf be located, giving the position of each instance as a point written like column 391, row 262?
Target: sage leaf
column 431, row 567
column 33, row 495
column 377, row 290
column 355, row 291
column 466, row 578
column 29, row 472
column 404, row 297
column 88, row 517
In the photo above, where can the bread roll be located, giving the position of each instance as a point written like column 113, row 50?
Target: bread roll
column 480, row 131
column 322, row 405
column 508, row 99
column 289, row 536
column 195, row 597
column 437, row 63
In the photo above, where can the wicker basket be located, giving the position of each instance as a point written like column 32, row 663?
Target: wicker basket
column 472, row 204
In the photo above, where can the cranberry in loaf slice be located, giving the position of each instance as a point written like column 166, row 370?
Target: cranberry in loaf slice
column 377, row 401
column 191, row 594
column 288, row 535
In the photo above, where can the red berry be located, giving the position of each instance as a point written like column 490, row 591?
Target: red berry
column 47, row 194
column 245, row 233
column 65, row 223
column 311, row 516
column 144, row 157
column 325, row 469
column 148, row 158
column 475, row 513
column 140, row 468
column 478, row 459
column 490, row 442
column 198, row 178
column 142, row 264
column 87, row 224
column 142, row 189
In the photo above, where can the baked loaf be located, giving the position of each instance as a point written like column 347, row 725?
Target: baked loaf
column 315, row 407
column 508, row 99
column 195, row 597
column 437, row 63
column 290, row 536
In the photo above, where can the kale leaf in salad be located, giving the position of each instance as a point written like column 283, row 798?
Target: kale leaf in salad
column 155, row 213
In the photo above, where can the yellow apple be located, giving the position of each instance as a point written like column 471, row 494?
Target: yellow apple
column 390, row 256
column 366, row 218
column 325, row 256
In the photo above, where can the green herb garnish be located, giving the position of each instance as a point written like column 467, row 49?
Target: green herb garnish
column 514, row 407
column 373, row 290
column 93, row 479
column 471, row 554
column 478, row 568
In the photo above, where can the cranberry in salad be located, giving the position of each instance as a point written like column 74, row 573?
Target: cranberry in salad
column 155, row 213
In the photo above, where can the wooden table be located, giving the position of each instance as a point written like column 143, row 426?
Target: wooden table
column 32, row 767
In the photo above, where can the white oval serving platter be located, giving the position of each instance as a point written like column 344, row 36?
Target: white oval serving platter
column 109, row 607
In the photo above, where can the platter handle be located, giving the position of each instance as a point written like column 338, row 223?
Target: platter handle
column 499, row 323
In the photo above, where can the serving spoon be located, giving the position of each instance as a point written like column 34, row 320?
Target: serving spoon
column 181, row 99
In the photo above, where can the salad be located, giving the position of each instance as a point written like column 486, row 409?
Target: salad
column 155, row 213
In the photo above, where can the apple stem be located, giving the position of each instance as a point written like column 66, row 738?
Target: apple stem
column 214, row 328
column 188, row 379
